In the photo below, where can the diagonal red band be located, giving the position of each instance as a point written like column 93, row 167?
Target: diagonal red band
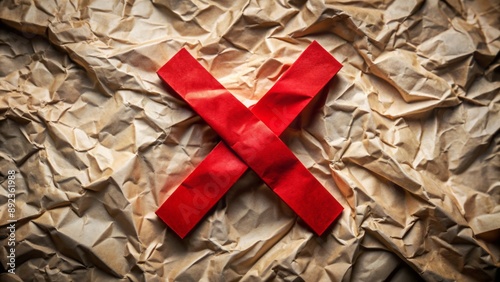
column 286, row 175
column 221, row 168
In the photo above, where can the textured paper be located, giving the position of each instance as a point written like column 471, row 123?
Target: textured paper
column 406, row 137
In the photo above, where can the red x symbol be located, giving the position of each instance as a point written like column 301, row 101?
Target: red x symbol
column 250, row 140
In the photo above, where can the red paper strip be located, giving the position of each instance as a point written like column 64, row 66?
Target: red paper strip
column 221, row 169
column 213, row 177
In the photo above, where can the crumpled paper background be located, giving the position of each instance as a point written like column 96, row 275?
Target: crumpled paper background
column 406, row 138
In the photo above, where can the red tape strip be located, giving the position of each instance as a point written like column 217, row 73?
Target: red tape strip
column 251, row 139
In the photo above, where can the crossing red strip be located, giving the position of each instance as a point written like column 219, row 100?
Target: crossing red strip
column 248, row 134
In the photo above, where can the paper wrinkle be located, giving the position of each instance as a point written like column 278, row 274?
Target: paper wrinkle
column 405, row 137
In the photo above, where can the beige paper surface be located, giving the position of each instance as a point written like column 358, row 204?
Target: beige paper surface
column 406, row 138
